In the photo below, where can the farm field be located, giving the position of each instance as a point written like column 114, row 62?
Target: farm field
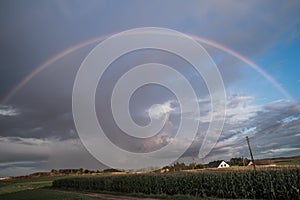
column 218, row 184
column 36, row 188
column 288, row 162
column 263, row 184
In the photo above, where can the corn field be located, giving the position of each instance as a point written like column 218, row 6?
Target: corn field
column 264, row 184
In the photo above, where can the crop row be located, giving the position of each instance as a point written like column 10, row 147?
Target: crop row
column 265, row 184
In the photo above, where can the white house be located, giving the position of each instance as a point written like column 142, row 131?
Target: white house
column 218, row 164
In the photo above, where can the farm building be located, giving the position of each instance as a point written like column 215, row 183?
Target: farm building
column 164, row 170
column 218, row 164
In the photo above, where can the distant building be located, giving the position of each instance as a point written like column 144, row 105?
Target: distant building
column 164, row 170
column 250, row 163
column 218, row 164
column 268, row 163
column 4, row 178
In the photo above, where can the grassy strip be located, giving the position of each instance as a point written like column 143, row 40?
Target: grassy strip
column 16, row 185
column 289, row 163
column 39, row 194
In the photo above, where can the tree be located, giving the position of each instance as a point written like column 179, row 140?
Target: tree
column 239, row 161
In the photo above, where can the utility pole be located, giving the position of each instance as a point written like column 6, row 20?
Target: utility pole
column 252, row 159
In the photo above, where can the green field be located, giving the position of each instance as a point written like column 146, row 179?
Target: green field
column 32, row 188
column 263, row 184
column 16, row 185
column 290, row 163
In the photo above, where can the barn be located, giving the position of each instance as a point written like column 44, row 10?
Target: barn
column 218, row 164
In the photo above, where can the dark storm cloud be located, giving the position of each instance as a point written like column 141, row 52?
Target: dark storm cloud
column 27, row 155
column 22, row 164
column 43, row 105
column 20, row 149
column 33, row 31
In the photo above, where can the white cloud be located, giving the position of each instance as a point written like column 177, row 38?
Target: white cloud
column 281, row 150
column 280, row 101
column 241, row 113
column 267, row 145
column 17, row 163
column 8, row 111
column 25, row 141
column 290, row 118
column 241, row 98
column 159, row 110
column 238, row 109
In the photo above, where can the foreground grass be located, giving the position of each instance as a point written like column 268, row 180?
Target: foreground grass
column 20, row 184
column 31, row 188
column 39, row 194
column 16, row 185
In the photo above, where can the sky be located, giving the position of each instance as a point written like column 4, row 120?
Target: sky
column 37, row 130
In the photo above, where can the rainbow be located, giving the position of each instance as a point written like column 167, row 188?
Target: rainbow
column 74, row 48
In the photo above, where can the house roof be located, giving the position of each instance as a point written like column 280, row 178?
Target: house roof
column 215, row 163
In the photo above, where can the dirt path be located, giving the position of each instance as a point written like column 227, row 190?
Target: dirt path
column 115, row 197
column 105, row 196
